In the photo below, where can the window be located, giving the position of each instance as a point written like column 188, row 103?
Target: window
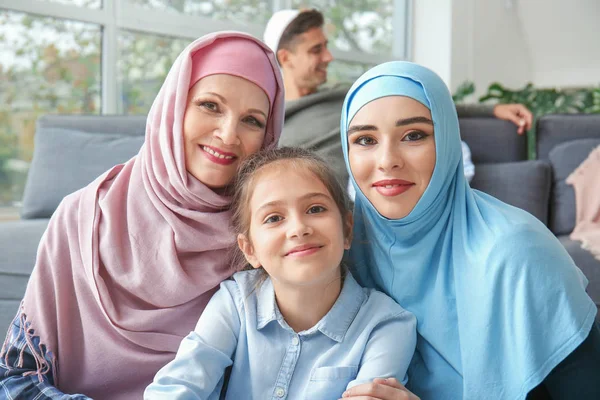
column 48, row 65
column 238, row 11
column 143, row 63
column 345, row 72
column 95, row 4
column 111, row 56
column 363, row 26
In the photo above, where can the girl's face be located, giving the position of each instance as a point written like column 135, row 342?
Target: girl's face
column 225, row 121
column 296, row 229
column 391, row 149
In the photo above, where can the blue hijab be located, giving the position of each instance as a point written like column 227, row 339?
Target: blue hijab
column 498, row 300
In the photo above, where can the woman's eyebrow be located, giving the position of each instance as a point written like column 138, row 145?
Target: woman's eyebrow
column 256, row 110
column 355, row 128
column 219, row 96
column 414, row 120
column 400, row 122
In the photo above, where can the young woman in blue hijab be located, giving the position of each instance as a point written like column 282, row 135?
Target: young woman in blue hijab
column 501, row 307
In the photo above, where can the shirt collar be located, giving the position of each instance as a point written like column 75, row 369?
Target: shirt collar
column 334, row 324
column 266, row 306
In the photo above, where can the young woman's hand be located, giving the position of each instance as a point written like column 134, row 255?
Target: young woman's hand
column 380, row 389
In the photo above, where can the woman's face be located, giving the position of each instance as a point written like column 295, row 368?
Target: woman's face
column 225, row 121
column 391, row 149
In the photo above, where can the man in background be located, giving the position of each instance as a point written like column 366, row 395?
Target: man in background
column 312, row 112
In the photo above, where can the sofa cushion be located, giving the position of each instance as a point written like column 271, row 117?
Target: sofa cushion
column 478, row 133
column 553, row 130
column 130, row 125
column 564, row 158
column 66, row 160
column 19, row 241
column 524, row 184
column 587, row 264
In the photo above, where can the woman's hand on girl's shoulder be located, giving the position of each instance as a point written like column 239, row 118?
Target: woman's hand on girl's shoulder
column 380, row 389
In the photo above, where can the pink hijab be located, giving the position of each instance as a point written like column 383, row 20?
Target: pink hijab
column 128, row 263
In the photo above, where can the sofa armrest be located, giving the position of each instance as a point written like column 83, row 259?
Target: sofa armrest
column 523, row 184
column 19, row 242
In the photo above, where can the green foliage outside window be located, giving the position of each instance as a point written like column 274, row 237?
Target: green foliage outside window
column 49, row 65
column 240, row 11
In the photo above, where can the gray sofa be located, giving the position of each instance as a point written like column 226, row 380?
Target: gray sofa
column 565, row 141
column 70, row 151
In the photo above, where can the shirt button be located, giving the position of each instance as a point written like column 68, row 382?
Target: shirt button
column 279, row 392
column 295, row 341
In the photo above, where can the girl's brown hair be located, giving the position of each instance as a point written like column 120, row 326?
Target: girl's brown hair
column 284, row 157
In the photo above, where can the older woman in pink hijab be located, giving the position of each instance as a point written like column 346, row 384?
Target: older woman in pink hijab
column 129, row 262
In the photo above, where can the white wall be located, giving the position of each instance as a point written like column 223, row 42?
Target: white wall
column 564, row 41
column 547, row 42
column 500, row 52
column 432, row 33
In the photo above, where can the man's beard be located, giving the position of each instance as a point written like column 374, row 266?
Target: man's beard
column 317, row 78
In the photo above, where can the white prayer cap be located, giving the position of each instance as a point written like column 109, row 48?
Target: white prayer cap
column 276, row 25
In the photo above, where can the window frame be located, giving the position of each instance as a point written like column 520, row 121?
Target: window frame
column 115, row 15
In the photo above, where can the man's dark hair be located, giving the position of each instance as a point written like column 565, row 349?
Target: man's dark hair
column 305, row 21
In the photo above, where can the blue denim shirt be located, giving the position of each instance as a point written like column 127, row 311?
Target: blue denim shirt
column 365, row 335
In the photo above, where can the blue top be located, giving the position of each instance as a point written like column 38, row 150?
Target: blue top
column 365, row 335
column 498, row 300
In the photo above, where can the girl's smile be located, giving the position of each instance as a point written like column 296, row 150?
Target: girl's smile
column 296, row 229
column 304, row 250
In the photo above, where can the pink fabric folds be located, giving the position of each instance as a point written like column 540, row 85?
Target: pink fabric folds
column 586, row 184
column 128, row 263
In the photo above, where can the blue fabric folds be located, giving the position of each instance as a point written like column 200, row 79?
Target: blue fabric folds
column 499, row 302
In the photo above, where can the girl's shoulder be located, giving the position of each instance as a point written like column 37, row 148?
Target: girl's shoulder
column 247, row 282
column 383, row 305
column 378, row 306
column 380, row 315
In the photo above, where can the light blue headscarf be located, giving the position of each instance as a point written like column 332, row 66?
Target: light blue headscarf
column 498, row 300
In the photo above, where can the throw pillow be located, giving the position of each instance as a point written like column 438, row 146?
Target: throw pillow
column 67, row 160
column 523, row 184
column 564, row 158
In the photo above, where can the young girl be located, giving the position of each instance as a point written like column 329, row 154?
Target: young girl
column 297, row 325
